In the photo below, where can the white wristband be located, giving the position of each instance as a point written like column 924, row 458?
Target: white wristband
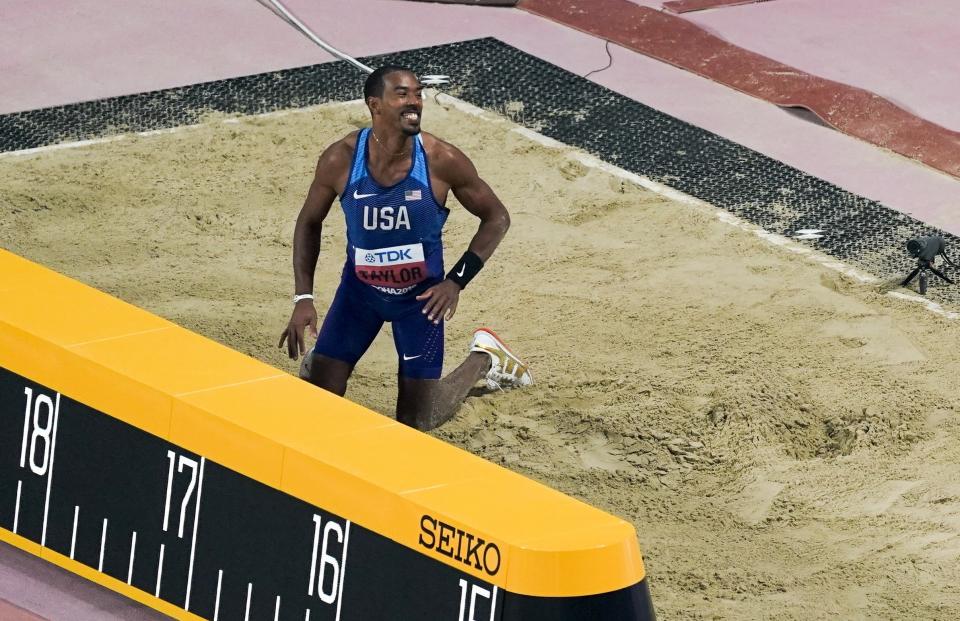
column 302, row 296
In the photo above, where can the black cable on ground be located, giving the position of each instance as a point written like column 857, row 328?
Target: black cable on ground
column 609, row 64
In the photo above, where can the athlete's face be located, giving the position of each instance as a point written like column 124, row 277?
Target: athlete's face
column 402, row 102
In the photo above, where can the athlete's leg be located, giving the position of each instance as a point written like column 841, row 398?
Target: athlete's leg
column 428, row 403
column 327, row 373
column 424, row 401
column 348, row 329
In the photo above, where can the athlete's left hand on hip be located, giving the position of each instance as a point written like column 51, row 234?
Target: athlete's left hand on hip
column 442, row 299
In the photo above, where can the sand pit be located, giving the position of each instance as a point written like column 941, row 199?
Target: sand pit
column 784, row 439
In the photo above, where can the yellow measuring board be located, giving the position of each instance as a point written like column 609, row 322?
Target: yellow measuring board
column 209, row 485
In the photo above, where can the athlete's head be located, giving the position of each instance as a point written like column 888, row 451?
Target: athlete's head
column 394, row 96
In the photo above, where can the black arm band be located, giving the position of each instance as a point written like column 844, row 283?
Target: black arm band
column 465, row 269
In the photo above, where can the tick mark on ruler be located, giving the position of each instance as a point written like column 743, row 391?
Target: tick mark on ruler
column 159, row 572
column 133, row 552
column 103, row 544
column 16, row 510
column 193, row 541
column 343, row 569
column 216, row 606
column 73, row 537
column 53, row 455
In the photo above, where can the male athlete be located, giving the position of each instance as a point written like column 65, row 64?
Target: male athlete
column 393, row 183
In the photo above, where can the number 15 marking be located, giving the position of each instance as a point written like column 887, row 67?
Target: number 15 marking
column 475, row 592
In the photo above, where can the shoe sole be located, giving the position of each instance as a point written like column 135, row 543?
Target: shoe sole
column 499, row 341
column 504, row 346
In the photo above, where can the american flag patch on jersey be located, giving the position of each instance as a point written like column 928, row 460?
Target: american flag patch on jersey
column 412, row 195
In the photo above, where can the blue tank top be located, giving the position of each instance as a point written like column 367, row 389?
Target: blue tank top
column 393, row 234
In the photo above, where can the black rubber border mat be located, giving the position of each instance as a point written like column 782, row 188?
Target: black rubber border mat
column 556, row 103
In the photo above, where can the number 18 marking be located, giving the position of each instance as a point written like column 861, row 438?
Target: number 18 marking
column 41, row 433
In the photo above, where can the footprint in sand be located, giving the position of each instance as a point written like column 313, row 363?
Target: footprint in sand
column 756, row 499
column 879, row 498
column 873, row 338
column 595, row 452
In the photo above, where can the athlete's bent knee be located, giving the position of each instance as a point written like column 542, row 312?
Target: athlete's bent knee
column 327, row 373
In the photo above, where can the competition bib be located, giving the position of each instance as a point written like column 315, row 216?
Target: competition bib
column 395, row 270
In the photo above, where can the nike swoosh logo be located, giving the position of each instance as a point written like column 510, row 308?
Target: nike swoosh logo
column 463, row 268
column 406, row 357
column 359, row 196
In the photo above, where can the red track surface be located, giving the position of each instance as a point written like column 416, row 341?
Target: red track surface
column 683, row 44
column 9, row 612
column 687, row 6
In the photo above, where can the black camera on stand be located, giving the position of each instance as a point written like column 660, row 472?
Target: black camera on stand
column 926, row 250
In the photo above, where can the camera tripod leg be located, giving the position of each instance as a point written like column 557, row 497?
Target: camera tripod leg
column 911, row 276
column 940, row 274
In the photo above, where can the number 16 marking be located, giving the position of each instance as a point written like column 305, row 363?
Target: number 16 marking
column 328, row 561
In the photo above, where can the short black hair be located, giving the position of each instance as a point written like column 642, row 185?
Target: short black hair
column 374, row 85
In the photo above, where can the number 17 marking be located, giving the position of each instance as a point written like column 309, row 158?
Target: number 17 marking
column 193, row 466
column 196, row 468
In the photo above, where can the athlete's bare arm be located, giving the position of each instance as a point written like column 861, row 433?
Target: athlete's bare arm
column 452, row 170
column 328, row 182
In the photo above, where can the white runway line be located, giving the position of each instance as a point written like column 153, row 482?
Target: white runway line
column 827, row 261
column 929, row 304
column 233, row 120
column 61, row 146
column 231, row 385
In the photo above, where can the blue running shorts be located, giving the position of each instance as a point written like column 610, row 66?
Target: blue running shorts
column 356, row 315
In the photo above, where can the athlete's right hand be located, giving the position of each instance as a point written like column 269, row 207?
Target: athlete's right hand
column 304, row 316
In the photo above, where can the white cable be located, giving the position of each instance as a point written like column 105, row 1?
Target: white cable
column 284, row 13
